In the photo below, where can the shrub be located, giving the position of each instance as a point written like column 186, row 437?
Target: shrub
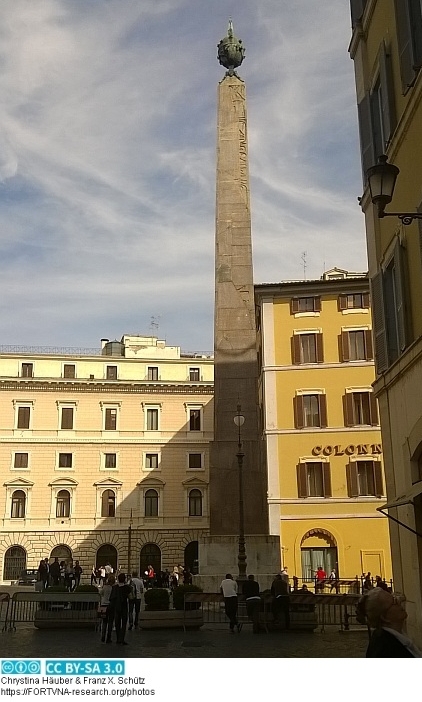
column 179, row 597
column 157, row 599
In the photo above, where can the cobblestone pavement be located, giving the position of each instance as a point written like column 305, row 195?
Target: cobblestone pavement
column 212, row 641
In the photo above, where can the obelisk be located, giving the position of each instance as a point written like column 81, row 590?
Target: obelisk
column 235, row 342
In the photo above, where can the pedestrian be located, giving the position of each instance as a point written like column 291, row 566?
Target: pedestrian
column 62, row 572
column 228, row 588
column 334, row 584
column 108, row 568
column 151, row 576
column 119, row 599
column 187, row 576
column 284, row 574
column 93, row 575
column 55, row 572
column 135, row 601
column 384, row 612
column 77, row 572
column 320, row 577
column 43, row 574
column 180, row 570
column 69, row 575
column 281, row 601
column 166, row 578
column 107, row 609
column 102, row 574
column 175, row 577
column 253, row 601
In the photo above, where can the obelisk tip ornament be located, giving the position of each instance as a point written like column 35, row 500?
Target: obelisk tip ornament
column 231, row 51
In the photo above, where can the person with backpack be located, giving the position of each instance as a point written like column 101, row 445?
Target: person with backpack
column 137, row 588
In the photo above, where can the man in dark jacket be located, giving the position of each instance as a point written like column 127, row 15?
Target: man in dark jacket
column 119, row 601
column 281, row 600
column 253, row 601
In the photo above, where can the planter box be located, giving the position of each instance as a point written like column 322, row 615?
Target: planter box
column 65, row 619
column 171, row 619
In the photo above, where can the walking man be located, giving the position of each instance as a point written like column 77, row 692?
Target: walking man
column 135, row 603
column 228, row 588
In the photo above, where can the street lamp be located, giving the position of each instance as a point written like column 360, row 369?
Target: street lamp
column 239, row 420
column 382, row 180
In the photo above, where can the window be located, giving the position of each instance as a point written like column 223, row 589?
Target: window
column 314, row 479
column 65, row 460
column 110, row 461
column 354, row 301
column 310, row 410
column 360, row 408
column 66, row 418
column 151, row 461
column 27, row 370
column 108, row 504
column 409, row 37
column 152, row 373
column 20, row 460
column 195, row 461
column 194, row 420
column 194, row 374
column 69, row 370
column 18, row 505
column 110, row 421
column 364, row 478
column 377, row 114
column 24, row 417
column 307, row 348
column 152, row 419
column 111, row 373
column 151, row 503
column 63, row 504
column 195, row 503
column 305, row 304
column 356, row 345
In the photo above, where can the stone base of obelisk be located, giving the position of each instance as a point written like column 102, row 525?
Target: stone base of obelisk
column 218, row 556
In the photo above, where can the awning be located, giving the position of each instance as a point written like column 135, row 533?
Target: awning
column 404, row 499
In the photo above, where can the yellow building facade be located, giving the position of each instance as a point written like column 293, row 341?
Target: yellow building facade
column 104, row 456
column 386, row 47
column 320, row 424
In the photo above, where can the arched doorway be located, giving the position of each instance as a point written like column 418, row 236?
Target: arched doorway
column 150, row 555
column 62, row 552
column 14, row 563
column 107, row 554
column 191, row 557
column 318, row 548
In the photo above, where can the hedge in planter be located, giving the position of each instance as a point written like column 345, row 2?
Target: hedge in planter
column 157, row 599
column 85, row 605
column 179, row 597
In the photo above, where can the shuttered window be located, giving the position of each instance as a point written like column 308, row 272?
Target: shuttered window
column 314, row 479
column 152, row 373
column 307, row 348
column 356, row 345
column 364, row 478
column 409, row 37
column 305, row 304
column 152, row 419
column 67, row 418
column 310, row 410
column 27, row 370
column 360, row 409
column 353, row 301
column 24, row 417
column 110, row 419
column 69, row 370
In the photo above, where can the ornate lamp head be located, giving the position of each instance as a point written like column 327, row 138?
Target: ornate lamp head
column 231, row 52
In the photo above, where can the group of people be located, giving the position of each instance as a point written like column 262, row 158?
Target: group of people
column 58, row 573
column 280, row 604
column 120, row 604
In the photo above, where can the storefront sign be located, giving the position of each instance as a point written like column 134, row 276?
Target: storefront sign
column 350, row 450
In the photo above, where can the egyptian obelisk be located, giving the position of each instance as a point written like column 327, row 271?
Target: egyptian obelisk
column 235, row 340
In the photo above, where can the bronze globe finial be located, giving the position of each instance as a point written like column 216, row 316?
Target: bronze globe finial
column 231, row 51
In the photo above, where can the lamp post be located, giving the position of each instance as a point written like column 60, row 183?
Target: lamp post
column 382, row 180
column 239, row 420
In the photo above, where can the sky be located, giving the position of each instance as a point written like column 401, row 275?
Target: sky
column 107, row 160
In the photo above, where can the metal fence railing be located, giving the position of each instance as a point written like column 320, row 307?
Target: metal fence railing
column 4, row 609
column 307, row 610
column 50, row 610
column 339, row 586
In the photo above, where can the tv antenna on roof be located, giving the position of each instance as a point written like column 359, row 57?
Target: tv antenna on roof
column 303, row 257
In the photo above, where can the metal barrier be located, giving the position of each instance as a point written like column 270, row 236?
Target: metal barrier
column 52, row 610
column 338, row 586
column 307, row 611
column 4, row 609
